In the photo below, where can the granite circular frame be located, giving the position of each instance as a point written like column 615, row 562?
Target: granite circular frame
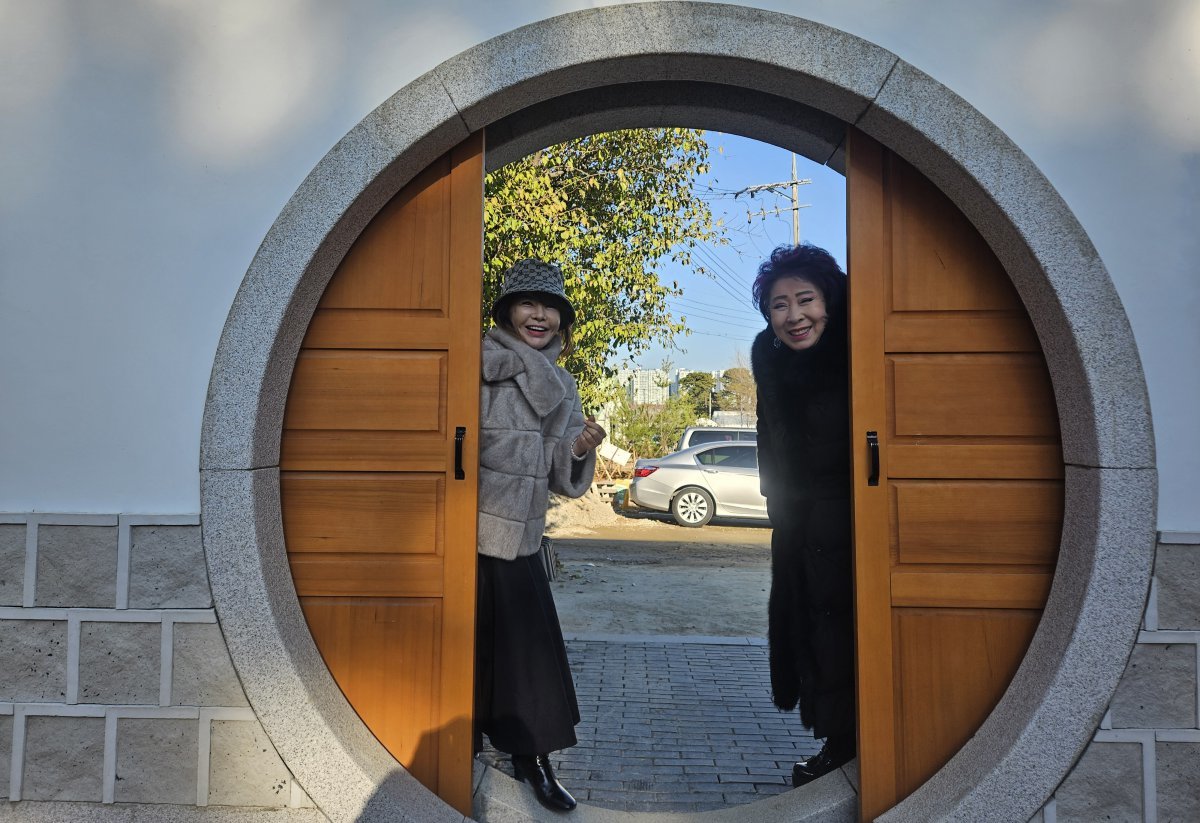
column 784, row 80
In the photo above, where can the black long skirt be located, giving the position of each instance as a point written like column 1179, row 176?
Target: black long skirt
column 524, row 695
column 810, row 630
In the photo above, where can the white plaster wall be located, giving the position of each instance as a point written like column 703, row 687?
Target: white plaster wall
column 147, row 145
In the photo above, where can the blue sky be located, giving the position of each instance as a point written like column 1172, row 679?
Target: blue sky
column 719, row 312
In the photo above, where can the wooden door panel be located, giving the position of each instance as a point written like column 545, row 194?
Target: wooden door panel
column 364, row 512
column 972, row 395
column 955, row 546
column 402, row 259
column 942, row 459
column 367, row 451
column 939, row 260
column 379, row 525
column 389, row 692
column 954, row 666
column 371, row 390
column 948, row 332
column 958, row 521
column 970, row 589
column 375, row 329
column 334, row 574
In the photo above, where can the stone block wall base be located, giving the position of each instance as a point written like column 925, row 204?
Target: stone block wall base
column 35, row 812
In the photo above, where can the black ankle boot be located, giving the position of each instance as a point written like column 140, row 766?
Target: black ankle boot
column 837, row 752
column 535, row 770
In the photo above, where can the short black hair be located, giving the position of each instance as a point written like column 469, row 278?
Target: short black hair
column 810, row 262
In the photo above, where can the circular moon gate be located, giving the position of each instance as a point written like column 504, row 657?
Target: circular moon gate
column 783, row 80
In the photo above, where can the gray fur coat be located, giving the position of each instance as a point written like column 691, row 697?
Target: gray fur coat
column 529, row 417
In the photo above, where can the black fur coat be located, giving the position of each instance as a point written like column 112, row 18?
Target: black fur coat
column 804, row 469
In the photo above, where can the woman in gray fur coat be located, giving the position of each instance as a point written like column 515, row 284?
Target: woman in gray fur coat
column 534, row 439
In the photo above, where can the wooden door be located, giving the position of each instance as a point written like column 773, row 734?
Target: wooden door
column 956, row 544
column 380, row 533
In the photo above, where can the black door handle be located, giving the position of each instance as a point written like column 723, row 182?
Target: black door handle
column 460, row 433
column 873, row 451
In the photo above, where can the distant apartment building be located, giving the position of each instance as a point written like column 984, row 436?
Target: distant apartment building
column 654, row 386
column 648, row 386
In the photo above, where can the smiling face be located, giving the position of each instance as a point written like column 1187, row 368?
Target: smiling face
column 797, row 312
column 535, row 322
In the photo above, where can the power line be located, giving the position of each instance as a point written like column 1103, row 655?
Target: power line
column 725, row 321
column 726, row 336
column 718, row 270
column 717, row 314
column 734, row 278
column 720, row 283
column 692, row 313
column 747, row 312
column 739, row 291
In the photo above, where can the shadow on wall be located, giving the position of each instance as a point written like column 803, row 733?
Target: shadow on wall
column 422, row 764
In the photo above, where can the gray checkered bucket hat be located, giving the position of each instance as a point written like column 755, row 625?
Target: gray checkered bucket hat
column 538, row 277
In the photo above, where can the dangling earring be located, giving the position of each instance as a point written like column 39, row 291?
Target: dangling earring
column 777, row 343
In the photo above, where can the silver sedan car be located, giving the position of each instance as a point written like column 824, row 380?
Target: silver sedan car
column 698, row 483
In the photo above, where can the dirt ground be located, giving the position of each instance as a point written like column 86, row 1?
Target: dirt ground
column 640, row 573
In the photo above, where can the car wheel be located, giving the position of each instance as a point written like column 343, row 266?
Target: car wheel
column 692, row 507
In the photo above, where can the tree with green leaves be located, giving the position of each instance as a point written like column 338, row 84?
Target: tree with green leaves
column 739, row 392
column 651, row 429
column 608, row 208
column 700, row 389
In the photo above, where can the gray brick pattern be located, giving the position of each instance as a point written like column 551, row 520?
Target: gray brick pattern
column 166, row 568
column 1177, row 572
column 119, row 662
column 64, row 759
column 156, row 760
column 1158, row 690
column 12, row 563
column 1178, row 774
column 1144, row 763
column 676, row 727
column 6, row 729
column 104, row 703
column 244, row 768
column 76, row 566
column 33, row 660
column 1105, row 785
column 202, row 673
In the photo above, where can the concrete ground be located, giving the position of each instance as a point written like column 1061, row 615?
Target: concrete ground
column 647, row 576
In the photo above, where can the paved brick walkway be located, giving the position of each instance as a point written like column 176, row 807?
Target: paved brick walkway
column 675, row 724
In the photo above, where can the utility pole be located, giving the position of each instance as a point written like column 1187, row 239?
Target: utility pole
column 795, row 204
column 778, row 188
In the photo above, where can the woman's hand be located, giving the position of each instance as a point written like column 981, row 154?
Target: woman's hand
column 593, row 435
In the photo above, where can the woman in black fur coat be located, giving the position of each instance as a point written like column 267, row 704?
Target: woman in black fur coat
column 801, row 369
